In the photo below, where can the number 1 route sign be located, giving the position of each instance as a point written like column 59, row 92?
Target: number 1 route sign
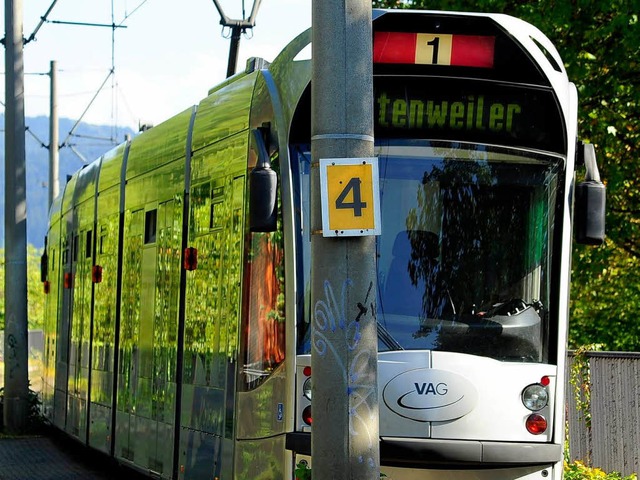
column 350, row 197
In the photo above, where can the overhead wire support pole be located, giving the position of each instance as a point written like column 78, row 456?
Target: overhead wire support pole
column 54, row 149
column 345, row 440
column 16, row 372
column 237, row 28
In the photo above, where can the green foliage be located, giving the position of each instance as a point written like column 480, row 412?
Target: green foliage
column 35, row 295
column 578, row 471
column 35, row 420
column 600, row 45
column 302, row 471
column 2, row 307
column 580, row 379
column 605, row 298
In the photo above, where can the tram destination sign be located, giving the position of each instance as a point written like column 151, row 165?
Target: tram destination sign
column 468, row 110
column 467, row 113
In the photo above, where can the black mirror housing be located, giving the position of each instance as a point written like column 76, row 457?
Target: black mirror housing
column 590, row 202
column 263, row 191
column 589, row 211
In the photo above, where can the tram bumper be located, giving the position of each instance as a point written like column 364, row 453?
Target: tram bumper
column 458, row 454
column 427, row 453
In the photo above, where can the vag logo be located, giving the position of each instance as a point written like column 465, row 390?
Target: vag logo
column 429, row 395
column 431, row 388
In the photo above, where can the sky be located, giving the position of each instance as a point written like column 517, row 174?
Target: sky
column 165, row 60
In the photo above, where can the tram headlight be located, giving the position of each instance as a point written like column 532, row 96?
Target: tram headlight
column 306, row 388
column 535, row 397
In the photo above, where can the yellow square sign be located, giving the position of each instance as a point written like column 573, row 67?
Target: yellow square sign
column 350, row 196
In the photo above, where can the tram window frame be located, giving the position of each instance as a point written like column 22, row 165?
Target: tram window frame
column 264, row 342
column 263, row 324
column 74, row 248
column 88, row 246
column 150, row 226
column 65, row 250
column 217, row 198
column 212, row 216
column 103, row 239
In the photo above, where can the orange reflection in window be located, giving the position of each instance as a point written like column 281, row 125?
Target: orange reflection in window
column 264, row 322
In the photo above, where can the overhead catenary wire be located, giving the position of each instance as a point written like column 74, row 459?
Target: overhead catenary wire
column 38, row 139
column 80, row 156
column 133, row 11
column 114, row 25
column 71, row 132
column 43, row 19
column 94, row 137
column 86, row 24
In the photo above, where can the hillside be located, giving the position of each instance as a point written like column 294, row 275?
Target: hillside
column 89, row 141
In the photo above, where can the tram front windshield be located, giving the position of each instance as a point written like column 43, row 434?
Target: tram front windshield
column 464, row 260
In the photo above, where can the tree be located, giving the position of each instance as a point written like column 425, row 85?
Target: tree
column 600, row 44
column 35, row 295
column 2, row 307
column 35, row 289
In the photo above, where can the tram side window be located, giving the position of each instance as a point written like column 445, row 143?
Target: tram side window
column 88, row 246
column 76, row 241
column 263, row 308
column 150, row 223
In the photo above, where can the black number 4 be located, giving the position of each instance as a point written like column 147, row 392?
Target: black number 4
column 357, row 204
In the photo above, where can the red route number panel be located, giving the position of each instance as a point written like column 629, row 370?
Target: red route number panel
column 434, row 49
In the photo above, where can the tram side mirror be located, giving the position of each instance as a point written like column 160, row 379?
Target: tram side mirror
column 263, row 188
column 590, row 201
column 44, row 263
column 44, row 267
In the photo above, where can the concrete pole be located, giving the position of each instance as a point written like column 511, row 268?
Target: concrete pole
column 345, row 432
column 16, row 372
column 54, row 151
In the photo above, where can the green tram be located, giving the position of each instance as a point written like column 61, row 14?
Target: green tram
column 177, row 274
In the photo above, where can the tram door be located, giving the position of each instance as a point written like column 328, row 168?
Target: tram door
column 148, row 337
column 103, row 328
column 62, row 330
column 212, row 315
column 79, row 332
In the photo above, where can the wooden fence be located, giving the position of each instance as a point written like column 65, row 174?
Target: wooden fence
column 604, row 430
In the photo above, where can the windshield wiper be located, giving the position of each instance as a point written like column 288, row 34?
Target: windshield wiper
column 387, row 338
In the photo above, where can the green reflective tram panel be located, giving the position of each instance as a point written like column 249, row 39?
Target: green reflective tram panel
column 178, row 266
